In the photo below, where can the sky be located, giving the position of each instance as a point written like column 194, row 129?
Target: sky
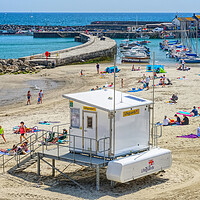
column 174, row 6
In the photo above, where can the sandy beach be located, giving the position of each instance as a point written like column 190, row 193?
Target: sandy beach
column 181, row 181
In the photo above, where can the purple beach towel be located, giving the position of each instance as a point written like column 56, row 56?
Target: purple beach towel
column 188, row 136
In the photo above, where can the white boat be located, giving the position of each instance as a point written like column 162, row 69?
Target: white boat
column 137, row 56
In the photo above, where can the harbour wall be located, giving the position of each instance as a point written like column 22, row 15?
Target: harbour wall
column 93, row 48
column 110, row 34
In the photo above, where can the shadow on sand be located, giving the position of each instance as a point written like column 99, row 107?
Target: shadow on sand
column 87, row 178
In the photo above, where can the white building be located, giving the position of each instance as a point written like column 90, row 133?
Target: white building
column 96, row 131
column 92, row 123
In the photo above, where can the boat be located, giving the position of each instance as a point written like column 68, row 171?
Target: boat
column 136, row 57
column 143, row 37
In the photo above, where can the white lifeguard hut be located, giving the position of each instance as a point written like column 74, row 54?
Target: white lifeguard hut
column 100, row 128
column 92, row 117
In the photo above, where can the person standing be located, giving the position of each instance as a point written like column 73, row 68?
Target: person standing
column 97, row 68
column 29, row 97
column 198, row 131
column 183, row 64
column 147, row 82
column 2, row 133
column 22, row 131
column 41, row 95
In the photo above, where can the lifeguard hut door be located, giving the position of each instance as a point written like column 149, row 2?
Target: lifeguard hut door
column 89, row 131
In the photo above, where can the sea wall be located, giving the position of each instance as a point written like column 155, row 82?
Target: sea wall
column 110, row 34
column 94, row 47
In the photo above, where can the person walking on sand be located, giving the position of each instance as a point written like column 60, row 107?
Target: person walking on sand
column 29, row 97
column 97, row 68
column 183, row 64
column 41, row 95
column 2, row 133
column 147, row 82
column 22, row 130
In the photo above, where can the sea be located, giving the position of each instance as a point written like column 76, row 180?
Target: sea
column 19, row 46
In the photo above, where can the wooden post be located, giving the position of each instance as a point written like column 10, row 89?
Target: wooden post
column 53, row 168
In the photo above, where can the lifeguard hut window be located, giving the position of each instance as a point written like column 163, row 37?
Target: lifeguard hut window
column 75, row 118
column 89, row 122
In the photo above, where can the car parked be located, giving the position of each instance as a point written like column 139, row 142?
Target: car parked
column 157, row 29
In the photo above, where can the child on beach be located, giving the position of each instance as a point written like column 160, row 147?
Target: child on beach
column 2, row 133
column 29, row 97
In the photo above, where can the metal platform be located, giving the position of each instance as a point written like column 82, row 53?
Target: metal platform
column 62, row 153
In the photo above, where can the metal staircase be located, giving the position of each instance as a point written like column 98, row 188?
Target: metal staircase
column 24, row 164
column 21, row 162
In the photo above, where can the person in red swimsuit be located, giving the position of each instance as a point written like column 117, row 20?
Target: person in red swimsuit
column 22, row 130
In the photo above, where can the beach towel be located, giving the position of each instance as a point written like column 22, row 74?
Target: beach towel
column 4, row 153
column 170, row 102
column 183, row 112
column 136, row 90
column 188, row 136
column 48, row 122
column 161, row 124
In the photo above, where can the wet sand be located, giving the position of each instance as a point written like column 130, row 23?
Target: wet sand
column 181, row 181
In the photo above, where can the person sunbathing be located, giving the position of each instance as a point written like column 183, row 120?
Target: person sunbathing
column 180, row 67
column 174, row 98
column 194, row 112
column 24, row 147
column 168, row 82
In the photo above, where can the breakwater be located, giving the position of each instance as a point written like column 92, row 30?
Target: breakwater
column 110, row 34
column 94, row 47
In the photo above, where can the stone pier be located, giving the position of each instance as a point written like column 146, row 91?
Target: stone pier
column 92, row 48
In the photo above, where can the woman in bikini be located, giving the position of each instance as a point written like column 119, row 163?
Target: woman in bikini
column 29, row 97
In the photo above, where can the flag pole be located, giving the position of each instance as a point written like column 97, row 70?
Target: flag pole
column 153, row 97
column 114, row 108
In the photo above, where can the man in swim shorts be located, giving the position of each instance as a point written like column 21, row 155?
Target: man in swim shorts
column 40, row 96
column 2, row 133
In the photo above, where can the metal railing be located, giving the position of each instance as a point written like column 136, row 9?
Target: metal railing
column 58, row 127
column 157, row 133
column 74, row 146
column 43, row 146
column 33, row 139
